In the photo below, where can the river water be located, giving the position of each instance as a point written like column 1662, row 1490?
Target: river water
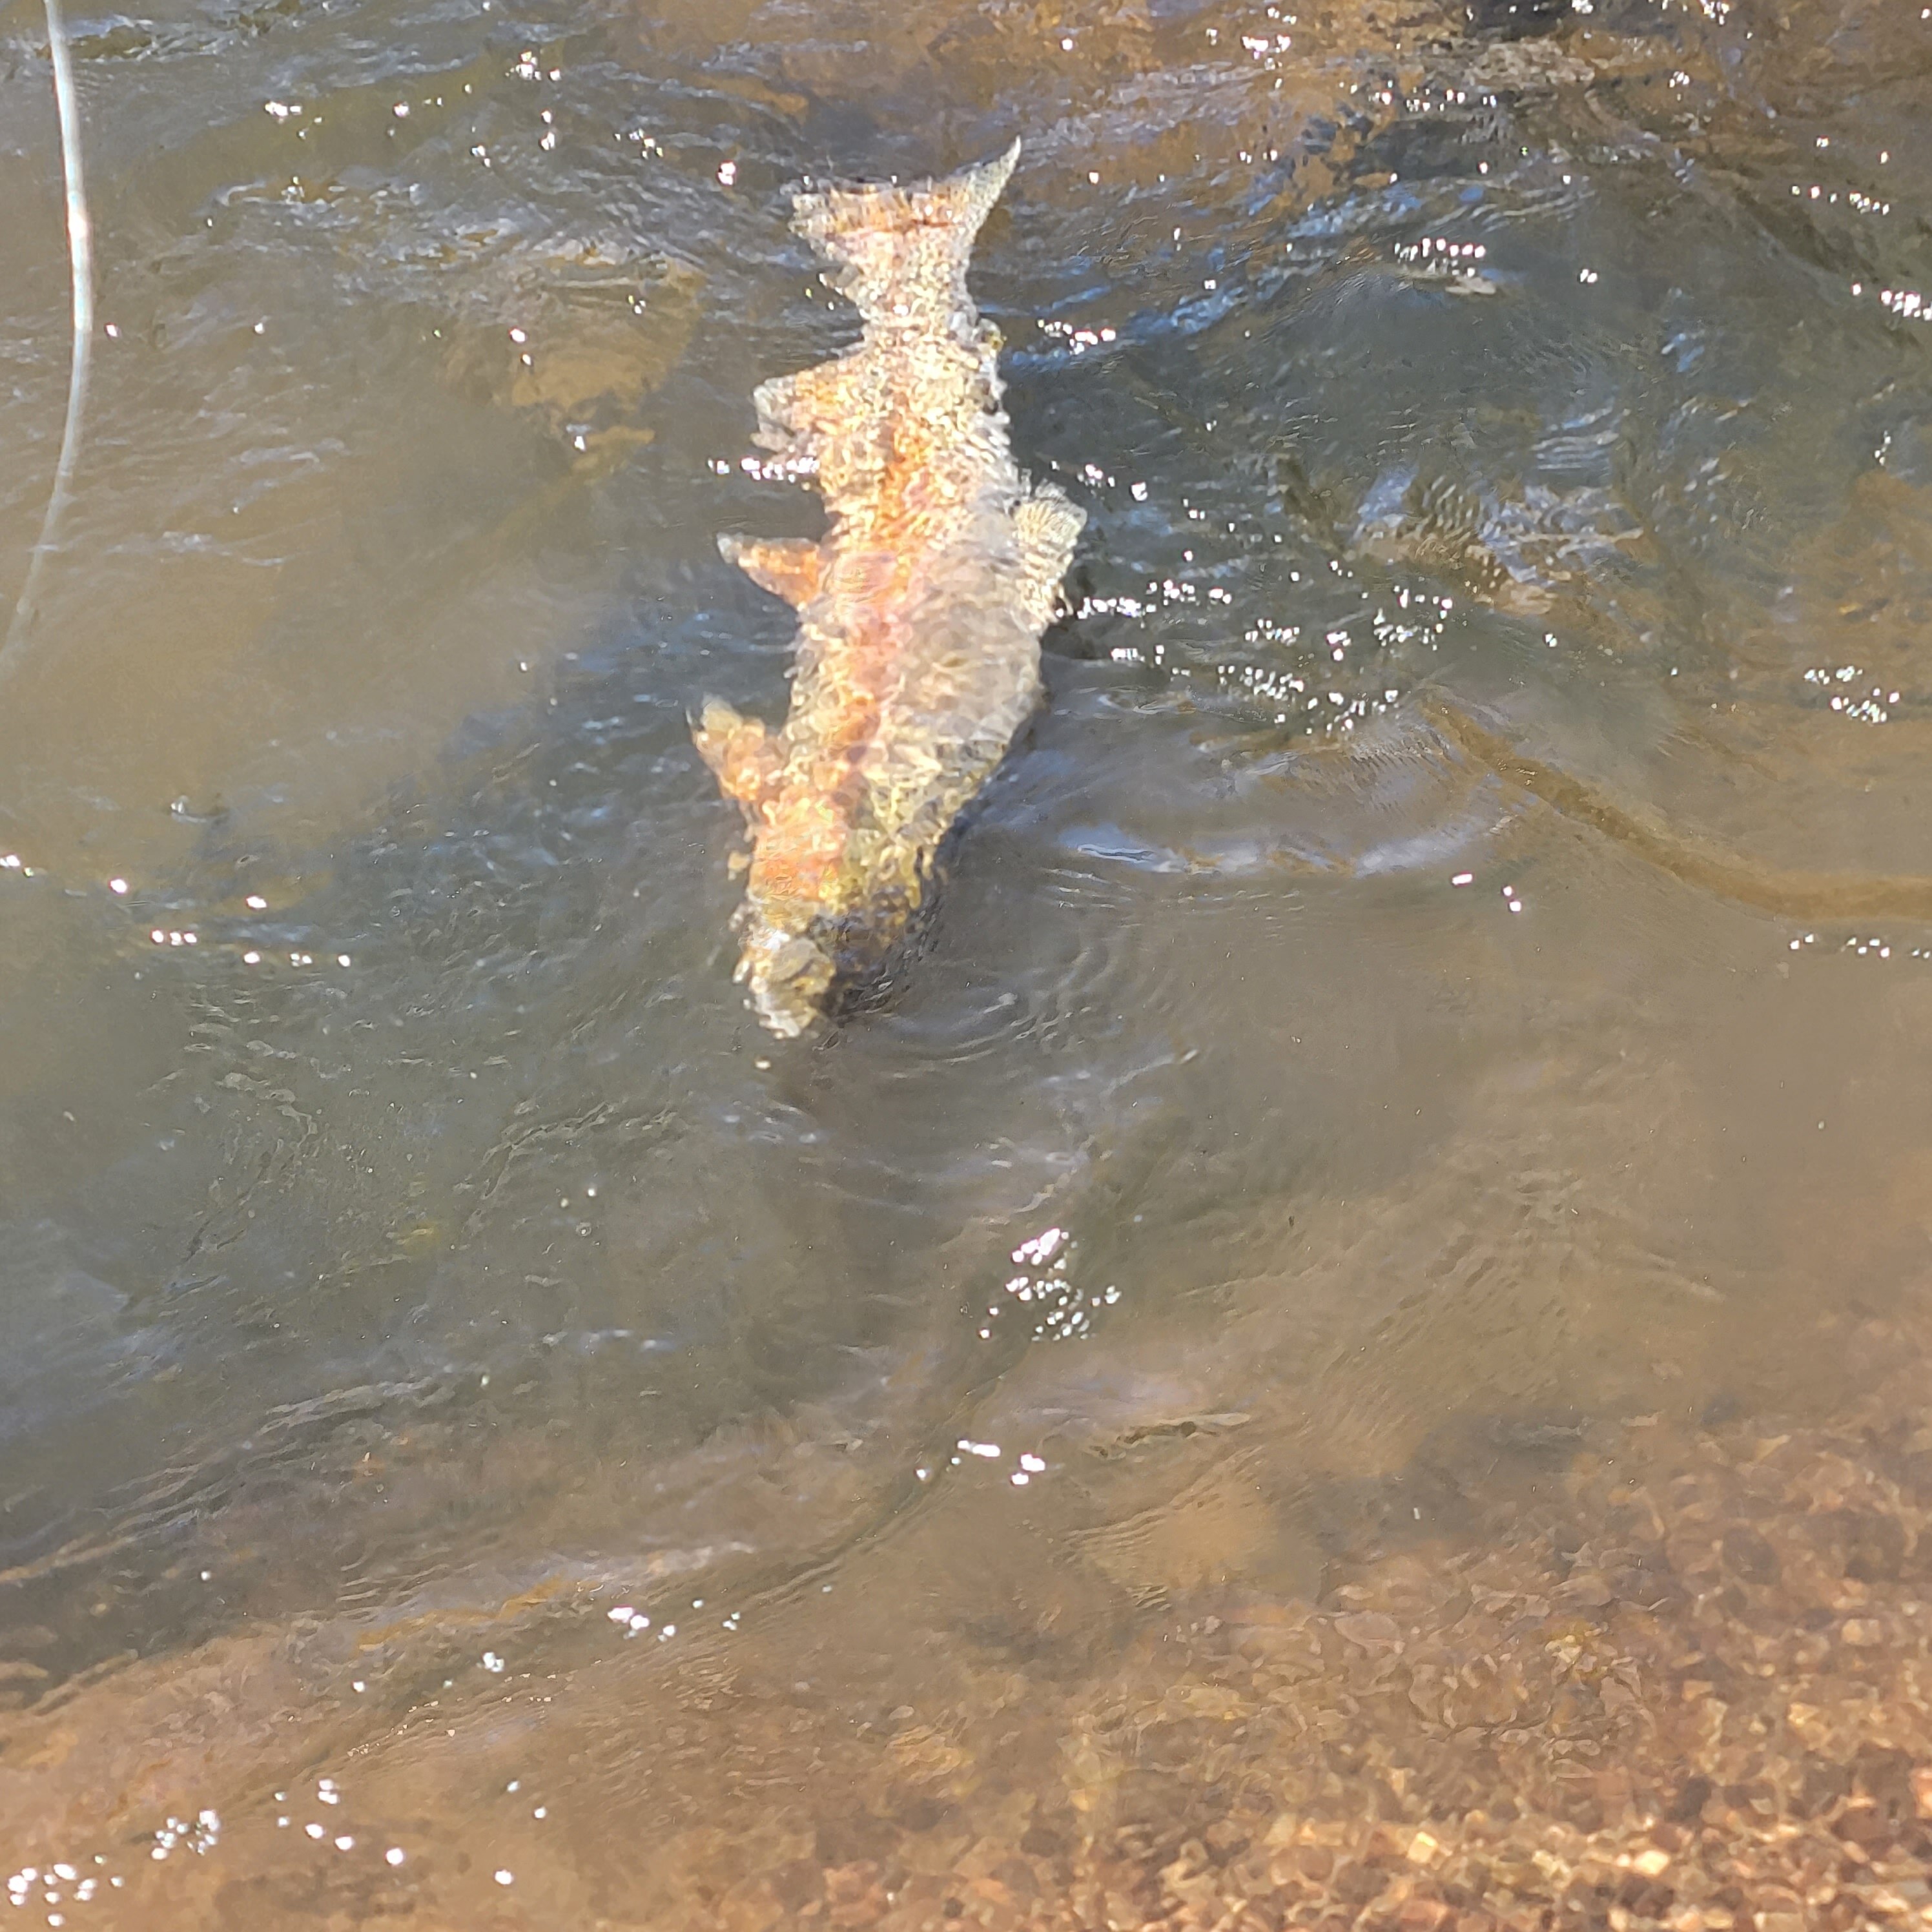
column 1447, row 978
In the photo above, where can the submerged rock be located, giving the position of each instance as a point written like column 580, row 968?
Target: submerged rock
column 920, row 613
column 1669, row 1674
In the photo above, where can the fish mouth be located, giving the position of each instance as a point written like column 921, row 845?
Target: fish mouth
column 787, row 976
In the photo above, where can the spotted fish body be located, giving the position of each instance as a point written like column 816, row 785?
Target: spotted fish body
column 920, row 611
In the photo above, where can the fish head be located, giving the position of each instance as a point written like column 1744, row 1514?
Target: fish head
column 788, row 975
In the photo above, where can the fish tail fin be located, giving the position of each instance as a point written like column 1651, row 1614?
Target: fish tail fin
column 888, row 244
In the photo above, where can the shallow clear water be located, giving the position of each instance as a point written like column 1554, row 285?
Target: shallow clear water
column 412, row 1249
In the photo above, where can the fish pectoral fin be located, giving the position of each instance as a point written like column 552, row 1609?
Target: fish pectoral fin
column 742, row 753
column 793, row 568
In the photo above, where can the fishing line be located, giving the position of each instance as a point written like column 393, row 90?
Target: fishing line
column 80, row 268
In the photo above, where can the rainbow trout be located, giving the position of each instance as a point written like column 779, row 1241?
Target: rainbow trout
column 920, row 611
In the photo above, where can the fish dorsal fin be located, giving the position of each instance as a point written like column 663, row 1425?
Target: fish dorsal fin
column 1045, row 528
column 791, row 568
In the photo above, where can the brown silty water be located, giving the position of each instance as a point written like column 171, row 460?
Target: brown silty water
column 1246, row 1382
